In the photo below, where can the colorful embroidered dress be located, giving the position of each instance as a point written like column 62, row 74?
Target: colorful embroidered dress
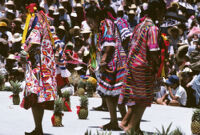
column 40, row 70
column 110, row 81
column 138, row 84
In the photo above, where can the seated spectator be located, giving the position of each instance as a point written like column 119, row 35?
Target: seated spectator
column 175, row 95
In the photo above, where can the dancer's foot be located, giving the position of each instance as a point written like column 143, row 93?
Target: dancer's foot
column 122, row 125
column 111, row 126
column 34, row 132
column 100, row 108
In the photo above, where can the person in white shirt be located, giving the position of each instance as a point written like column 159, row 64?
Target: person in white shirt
column 175, row 95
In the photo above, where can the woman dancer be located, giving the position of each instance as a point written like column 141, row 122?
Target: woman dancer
column 141, row 67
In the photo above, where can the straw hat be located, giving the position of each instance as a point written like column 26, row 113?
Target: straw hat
column 85, row 31
column 64, row 1
column 61, row 8
column 73, row 14
column 61, row 27
column 20, row 69
column 76, row 27
column 18, row 20
column 16, row 38
column 3, row 24
column 181, row 53
column 4, row 19
column 70, row 44
column 51, row 8
column 11, row 57
column 56, row 12
column 131, row 12
column 174, row 4
column 133, row 6
column 10, row 2
column 174, row 28
column 78, row 5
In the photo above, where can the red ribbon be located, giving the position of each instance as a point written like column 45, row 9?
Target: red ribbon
column 78, row 109
column 53, row 120
column 68, row 107
column 31, row 7
column 11, row 96
column 22, row 104
column 163, row 50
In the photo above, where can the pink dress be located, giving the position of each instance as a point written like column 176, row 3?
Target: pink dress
column 139, row 79
column 40, row 70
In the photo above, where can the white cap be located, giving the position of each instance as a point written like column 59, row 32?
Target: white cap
column 10, row 2
column 76, row 27
column 64, row 1
column 56, row 12
column 78, row 68
column 61, row 7
column 131, row 12
column 61, row 27
column 120, row 8
column 78, row 5
column 73, row 14
column 16, row 38
column 83, row 31
column 11, row 57
column 51, row 8
column 133, row 6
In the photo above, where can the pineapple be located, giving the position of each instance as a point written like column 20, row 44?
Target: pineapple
column 16, row 89
column 1, row 81
column 83, row 113
column 90, row 89
column 57, row 117
column 81, row 84
column 81, row 92
column 66, row 100
column 195, row 126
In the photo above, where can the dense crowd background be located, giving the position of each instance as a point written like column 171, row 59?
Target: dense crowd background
column 68, row 24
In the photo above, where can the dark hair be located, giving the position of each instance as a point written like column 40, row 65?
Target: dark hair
column 153, row 5
column 93, row 12
column 107, row 10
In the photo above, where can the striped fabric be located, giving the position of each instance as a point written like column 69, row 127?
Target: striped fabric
column 110, row 82
column 123, row 28
column 138, row 82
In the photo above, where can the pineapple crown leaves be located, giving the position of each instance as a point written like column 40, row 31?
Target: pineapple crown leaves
column 66, row 94
column 196, row 115
column 6, row 88
column 89, row 86
column 1, row 80
column 163, row 130
column 98, row 133
column 177, row 131
column 84, row 102
column 81, row 84
column 58, row 105
column 15, row 87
